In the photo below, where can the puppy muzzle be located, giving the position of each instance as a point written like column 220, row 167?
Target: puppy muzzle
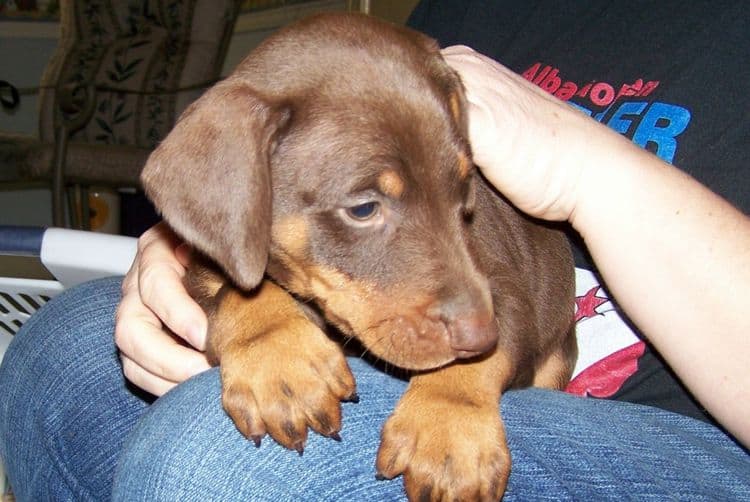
column 470, row 321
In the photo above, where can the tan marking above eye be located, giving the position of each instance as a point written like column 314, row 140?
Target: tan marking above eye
column 391, row 184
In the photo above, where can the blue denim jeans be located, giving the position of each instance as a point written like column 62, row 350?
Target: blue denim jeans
column 72, row 429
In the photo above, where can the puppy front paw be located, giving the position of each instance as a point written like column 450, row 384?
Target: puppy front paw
column 284, row 381
column 445, row 448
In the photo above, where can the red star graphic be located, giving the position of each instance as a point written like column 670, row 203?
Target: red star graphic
column 586, row 305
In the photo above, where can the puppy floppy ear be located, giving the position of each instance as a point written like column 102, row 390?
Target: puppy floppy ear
column 210, row 178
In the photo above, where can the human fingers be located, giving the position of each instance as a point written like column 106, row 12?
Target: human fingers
column 162, row 262
column 143, row 379
column 153, row 358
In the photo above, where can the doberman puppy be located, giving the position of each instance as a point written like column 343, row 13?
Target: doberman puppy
column 330, row 180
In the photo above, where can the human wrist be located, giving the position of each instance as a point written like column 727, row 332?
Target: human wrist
column 612, row 173
column 590, row 154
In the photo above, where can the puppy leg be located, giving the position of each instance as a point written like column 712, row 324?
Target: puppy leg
column 555, row 371
column 446, row 436
column 280, row 373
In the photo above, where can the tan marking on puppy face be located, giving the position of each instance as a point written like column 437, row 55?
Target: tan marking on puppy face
column 391, row 184
column 464, row 165
column 455, row 106
column 399, row 331
column 288, row 257
column 291, row 234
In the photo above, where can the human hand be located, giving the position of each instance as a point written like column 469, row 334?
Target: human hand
column 531, row 146
column 160, row 330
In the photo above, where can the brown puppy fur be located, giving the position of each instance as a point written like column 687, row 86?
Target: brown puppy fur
column 335, row 161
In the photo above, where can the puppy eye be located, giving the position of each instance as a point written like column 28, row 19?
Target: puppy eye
column 363, row 212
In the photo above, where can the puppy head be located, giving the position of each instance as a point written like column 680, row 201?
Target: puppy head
column 338, row 149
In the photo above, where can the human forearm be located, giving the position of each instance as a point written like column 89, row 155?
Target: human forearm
column 677, row 259
column 675, row 256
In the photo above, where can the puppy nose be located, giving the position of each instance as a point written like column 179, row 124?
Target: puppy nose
column 470, row 322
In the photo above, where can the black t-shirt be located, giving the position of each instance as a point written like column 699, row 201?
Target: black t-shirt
column 672, row 76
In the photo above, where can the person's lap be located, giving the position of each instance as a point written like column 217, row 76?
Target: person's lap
column 70, row 428
column 64, row 410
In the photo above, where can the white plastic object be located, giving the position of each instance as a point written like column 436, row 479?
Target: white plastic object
column 75, row 256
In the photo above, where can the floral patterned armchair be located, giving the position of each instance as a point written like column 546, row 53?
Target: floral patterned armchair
column 122, row 73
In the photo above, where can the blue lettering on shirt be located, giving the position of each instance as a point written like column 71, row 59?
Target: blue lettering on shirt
column 655, row 126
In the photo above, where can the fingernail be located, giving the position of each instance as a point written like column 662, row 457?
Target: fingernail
column 198, row 335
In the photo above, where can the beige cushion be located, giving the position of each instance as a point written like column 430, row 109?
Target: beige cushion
column 27, row 159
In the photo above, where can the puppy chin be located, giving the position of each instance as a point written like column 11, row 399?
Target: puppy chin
column 416, row 346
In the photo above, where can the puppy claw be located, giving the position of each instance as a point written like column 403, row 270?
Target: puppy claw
column 335, row 436
column 353, row 398
column 256, row 440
